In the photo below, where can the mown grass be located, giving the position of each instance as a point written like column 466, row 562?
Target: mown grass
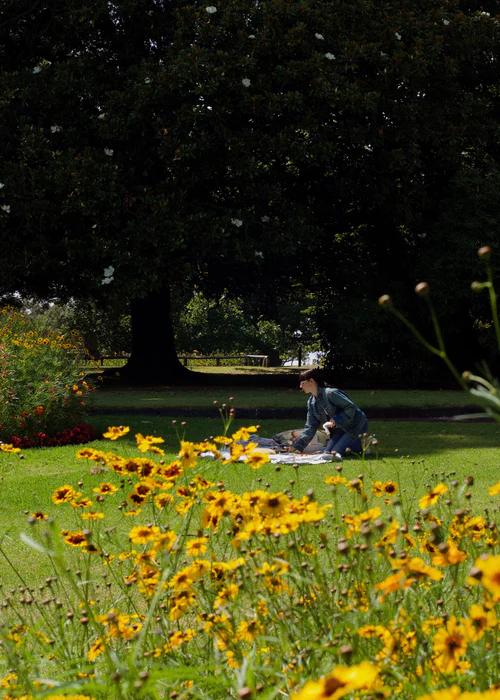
column 262, row 397
column 412, row 453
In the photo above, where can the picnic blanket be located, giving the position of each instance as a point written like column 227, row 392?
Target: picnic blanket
column 273, row 447
column 292, row 458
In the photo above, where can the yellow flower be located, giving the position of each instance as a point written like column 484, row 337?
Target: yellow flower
column 339, row 682
column 7, row 447
column 495, row 489
column 390, row 535
column 489, row 574
column 225, row 594
column 177, row 638
column 92, row 515
column 75, row 538
column 433, row 496
column 196, row 546
column 480, row 619
column 17, row 634
column 335, row 480
column 187, row 454
column 394, row 582
column 449, row 644
column 171, row 471
column 95, row 650
column 222, row 440
column 105, row 489
column 147, row 443
column 39, row 515
column 249, row 629
column 164, row 542
column 243, row 434
column 448, row 555
column 8, row 681
column 163, row 499
column 142, row 534
column 256, row 459
column 116, row 431
column 180, row 603
column 120, row 625
column 354, row 522
column 231, row 659
column 65, row 494
column 273, row 504
column 384, row 488
column 417, row 568
column 81, row 502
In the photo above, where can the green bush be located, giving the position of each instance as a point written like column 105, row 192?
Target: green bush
column 41, row 388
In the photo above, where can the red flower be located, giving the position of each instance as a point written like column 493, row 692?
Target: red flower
column 76, row 435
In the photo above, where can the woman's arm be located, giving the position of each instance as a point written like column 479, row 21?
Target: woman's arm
column 310, row 428
column 345, row 410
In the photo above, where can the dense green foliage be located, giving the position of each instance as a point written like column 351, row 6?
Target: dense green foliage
column 105, row 331
column 227, row 324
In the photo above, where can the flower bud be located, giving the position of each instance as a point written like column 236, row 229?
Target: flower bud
column 484, row 252
column 422, row 289
column 477, row 286
column 385, row 300
column 245, row 693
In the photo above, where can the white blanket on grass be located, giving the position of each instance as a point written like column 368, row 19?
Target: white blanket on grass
column 281, row 457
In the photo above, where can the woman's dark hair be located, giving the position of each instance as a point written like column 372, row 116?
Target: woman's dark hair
column 315, row 373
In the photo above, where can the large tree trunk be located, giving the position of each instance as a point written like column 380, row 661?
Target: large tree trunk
column 153, row 359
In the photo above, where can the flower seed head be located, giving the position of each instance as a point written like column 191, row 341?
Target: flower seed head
column 422, row 289
column 484, row 252
column 385, row 300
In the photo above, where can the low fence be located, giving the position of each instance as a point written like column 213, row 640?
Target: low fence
column 246, row 360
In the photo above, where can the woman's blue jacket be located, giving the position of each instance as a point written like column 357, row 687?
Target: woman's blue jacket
column 329, row 404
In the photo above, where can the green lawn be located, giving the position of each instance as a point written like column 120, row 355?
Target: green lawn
column 413, row 453
column 261, row 397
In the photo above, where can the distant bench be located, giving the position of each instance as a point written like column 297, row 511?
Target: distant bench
column 247, row 360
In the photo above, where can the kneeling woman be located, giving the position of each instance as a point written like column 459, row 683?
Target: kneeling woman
column 330, row 407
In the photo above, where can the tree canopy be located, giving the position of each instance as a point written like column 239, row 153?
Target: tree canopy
column 240, row 145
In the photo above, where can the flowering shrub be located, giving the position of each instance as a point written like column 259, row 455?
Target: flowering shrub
column 196, row 591
column 41, row 390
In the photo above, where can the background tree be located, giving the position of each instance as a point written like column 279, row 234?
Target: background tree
column 240, row 146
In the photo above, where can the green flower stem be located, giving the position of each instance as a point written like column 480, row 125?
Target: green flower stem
column 493, row 304
column 40, row 609
column 167, row 572
column 439, row 352
column 484, row 382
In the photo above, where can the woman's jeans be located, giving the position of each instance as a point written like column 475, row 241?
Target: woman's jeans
column 340, row 441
